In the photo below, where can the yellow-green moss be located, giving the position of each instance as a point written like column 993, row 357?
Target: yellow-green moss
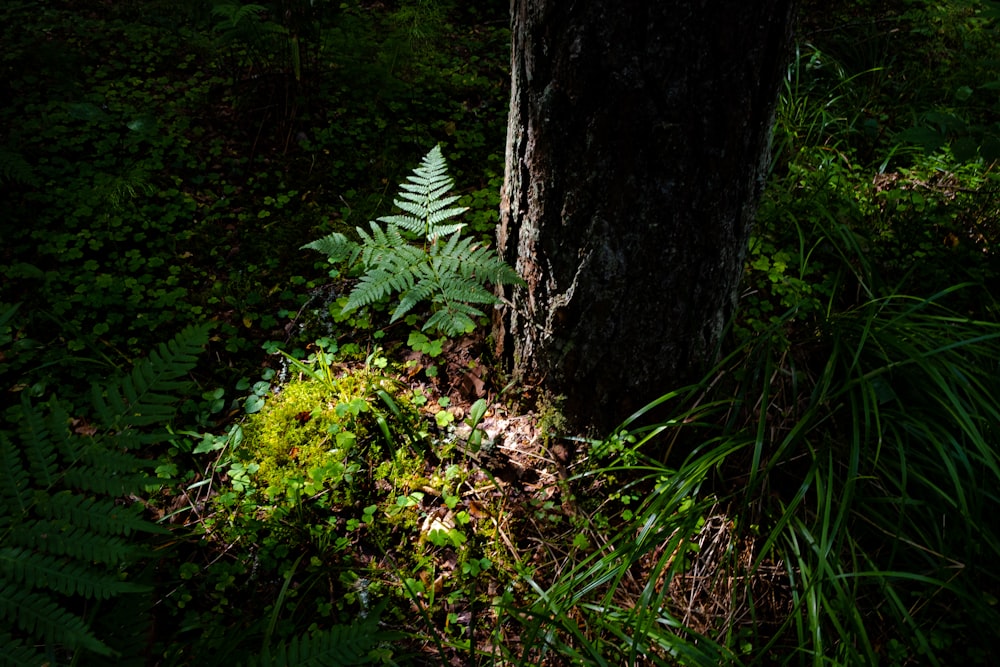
column 308, row 434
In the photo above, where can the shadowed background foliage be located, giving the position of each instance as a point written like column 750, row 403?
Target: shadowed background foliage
column 826, row 495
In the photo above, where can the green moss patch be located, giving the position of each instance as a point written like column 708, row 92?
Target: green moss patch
column 313, row 437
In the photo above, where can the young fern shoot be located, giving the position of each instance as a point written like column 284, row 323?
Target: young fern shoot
column 454, row 273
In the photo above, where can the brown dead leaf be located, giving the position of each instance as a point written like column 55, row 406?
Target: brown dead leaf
column 83, row 427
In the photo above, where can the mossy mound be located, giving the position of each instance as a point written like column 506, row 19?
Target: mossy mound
column 315, row 436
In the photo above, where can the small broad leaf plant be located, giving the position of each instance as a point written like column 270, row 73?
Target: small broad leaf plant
column 421, row 256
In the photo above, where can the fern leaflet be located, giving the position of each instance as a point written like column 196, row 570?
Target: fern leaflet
column 35, row 427
column 106, row 480
column 339, row 646
column 60, row 538
column 66, row 578
column 150, row 390
column 15, row 169
column 18, row 654
column 103, row 515
column 453, row 319
column 41, row 616
column 337, row 247
column 15, row 483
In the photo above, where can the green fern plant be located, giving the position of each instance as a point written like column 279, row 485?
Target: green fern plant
column 246, row 28
column 451, row 271
column 14, row 168
column 67, row 538
column 338, row 646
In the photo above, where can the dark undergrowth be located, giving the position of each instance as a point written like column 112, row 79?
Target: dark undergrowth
column 331, row 485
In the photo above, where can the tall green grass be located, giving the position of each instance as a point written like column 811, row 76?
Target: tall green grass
column 828, row 494
column 832, row 503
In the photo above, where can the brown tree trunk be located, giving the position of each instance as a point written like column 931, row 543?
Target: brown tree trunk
column 636, row 153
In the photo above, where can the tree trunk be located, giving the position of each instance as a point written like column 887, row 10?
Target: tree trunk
column 637, row 148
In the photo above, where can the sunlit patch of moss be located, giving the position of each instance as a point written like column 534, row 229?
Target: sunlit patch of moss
column 312, row 435
column 403, row 471
column 342, row 475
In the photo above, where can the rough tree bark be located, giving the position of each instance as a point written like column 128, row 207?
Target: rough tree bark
column 636, row 151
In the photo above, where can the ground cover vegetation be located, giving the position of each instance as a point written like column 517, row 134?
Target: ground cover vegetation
column 322, row 465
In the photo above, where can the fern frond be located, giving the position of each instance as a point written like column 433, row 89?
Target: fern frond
column 339, row 646
column 428, row 226
column 14, row 168
column 242, row 23
column 39, row 615
column 440, row 282
column 148, row 395
column 59, row 538
column 106, row 480
column 337, row 247
column 449, row 269
column 385, row 247
column 420, row 204
column 426, row 287
column 376, row 285
column 391, row 264
column 58, row 543
column 435, row 219
column 109, row 404
column 410, row 223
column 411, row 203
column 36, row 428
column 18, row 654
column 99, row 464
column 152, row 387
column 466, row 290
column 452, row 321
column 15, row 483
column 236, row 13
column 113, row 461
column 436, row 202
column 432, row 168
column 124, row 624
column 407, row 261
column 100, row 515
column 423, row 197
column 475, row 261
column 34, row 570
